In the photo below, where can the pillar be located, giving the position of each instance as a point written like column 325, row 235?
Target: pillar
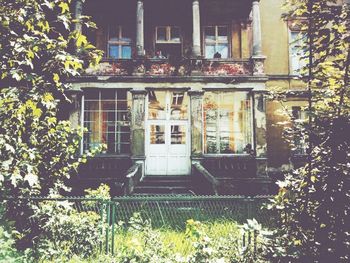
column 257, row 57
column 257, row 46
column 140, row 28
column 78, row 11
column 138, row 124
column 196, row 35
column 196, row 122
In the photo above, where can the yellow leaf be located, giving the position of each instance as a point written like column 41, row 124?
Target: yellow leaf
column 81, row 39
column 313, row 178
column 56, row 78
column 64, row 6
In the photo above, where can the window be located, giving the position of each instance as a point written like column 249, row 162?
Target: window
column 227, row 123
column 168, row 42
column 216, row 42
column 299, row 117
column 168, row 34
column 297, row 54
column 119, row 42
column 107, row 120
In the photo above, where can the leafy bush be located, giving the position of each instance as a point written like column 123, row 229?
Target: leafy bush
column 8, row 253
column 65, row 231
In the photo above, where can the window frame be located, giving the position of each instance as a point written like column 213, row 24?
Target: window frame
column 118, row 42
column 216, row 42
column 252, row 129
column 168, row 35
column 296, row 43
column 117, row 134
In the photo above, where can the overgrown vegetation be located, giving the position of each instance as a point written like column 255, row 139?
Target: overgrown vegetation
column 314, row 201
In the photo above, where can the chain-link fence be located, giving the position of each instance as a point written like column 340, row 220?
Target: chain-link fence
column 162, row 211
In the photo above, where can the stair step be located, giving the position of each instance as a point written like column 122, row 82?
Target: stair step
column 169, row 183
column 161, row 190
column 173, row 177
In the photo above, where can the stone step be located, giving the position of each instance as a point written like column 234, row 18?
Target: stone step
column 166, row 177
column 169, row 183
column 161, row 190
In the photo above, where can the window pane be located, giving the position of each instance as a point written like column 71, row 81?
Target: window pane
column 107, row 122
column 209, row 51
column 178, row 134
column 179, row 104
column 210, row 34
column 126, row 52
column 222, row 34
column 157, row 134
column 227, row 122
column 156, row 105
column 161, row 33
column 113, row 51
column 113, row 32
column 175, row 34
column 223, row 50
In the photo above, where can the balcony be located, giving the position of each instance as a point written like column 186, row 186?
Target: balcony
column 167, row 68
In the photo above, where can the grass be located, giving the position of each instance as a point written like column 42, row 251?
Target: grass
column 177, row 239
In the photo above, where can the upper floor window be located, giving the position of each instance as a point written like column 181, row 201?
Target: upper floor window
column 216, row 42
column 168, row 42
column 227, row 123
column 297, row 53
column 119, row 42
column 107, row 120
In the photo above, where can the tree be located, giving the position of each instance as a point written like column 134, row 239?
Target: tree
column 313, row 203
column 39, row 52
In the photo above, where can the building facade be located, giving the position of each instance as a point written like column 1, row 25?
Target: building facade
column 179, row 99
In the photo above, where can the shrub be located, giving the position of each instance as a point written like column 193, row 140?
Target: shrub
column 65, row 232
column 8, row 253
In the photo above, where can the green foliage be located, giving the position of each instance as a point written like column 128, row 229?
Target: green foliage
column 314, row 201
column 65, row 232
column 8, row 252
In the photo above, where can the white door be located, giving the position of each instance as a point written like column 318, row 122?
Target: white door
column 167, row 134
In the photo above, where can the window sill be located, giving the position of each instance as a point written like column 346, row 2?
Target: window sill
column 235, row 155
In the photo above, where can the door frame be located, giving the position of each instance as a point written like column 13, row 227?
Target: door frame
column 167, row 123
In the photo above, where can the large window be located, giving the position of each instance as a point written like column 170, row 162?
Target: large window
column 216, row 42
column 297, row 53
column 107, row 120
column 227, row 123
column 119, row 42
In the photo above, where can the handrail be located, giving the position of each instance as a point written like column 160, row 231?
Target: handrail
column 208, row 177
column 132, row 179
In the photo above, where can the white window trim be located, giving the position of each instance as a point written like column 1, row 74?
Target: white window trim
column 119, row 42
column 216, row 41
column 117, row 144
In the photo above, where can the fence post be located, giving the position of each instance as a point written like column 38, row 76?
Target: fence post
column 108, row 217
column 113, row 225
column 102, row 222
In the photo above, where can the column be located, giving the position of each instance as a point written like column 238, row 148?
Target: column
column 257, row 57
column 78, row 11
column 140, row 28
column 196, row 97
column 257, row 47
column 138, row 124
column 196, row 36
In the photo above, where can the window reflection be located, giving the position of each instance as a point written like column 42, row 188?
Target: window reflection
column 178, row 134
column 179, row 102
column 156, row 105
column 227, row 122
column 157, row 134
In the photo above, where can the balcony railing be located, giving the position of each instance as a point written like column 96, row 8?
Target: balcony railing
column 172, row 67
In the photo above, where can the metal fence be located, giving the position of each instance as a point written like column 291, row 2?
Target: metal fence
column 166, row 211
